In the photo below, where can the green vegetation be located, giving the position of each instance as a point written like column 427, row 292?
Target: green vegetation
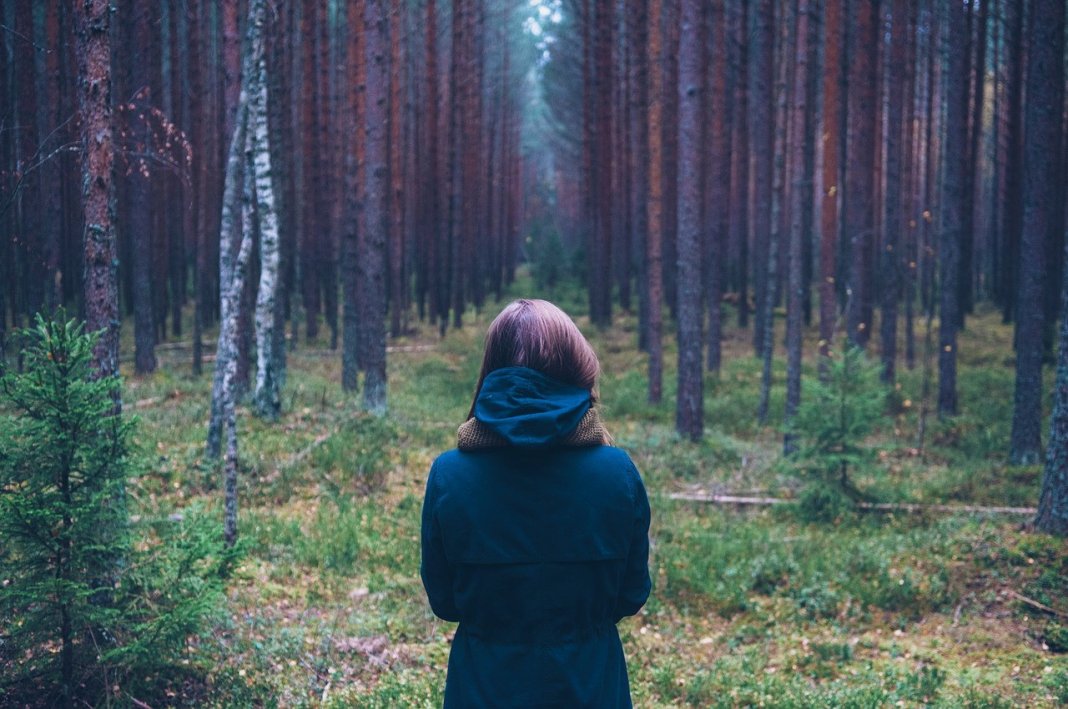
column 832, row 424
column 751, row 606
column 92, row 607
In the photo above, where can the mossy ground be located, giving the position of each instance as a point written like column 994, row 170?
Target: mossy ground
column 749, row 607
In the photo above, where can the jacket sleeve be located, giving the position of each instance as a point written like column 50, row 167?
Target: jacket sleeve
column 434, row 569
column 636, row 582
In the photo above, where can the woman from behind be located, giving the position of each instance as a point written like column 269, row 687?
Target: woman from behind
column 535, row 528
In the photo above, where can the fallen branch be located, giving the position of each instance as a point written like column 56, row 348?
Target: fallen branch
column 867, row 506
column 1035, row 604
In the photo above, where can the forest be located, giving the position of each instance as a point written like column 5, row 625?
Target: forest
column 249, row 251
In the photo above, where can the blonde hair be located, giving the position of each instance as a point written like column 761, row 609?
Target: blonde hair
column 538, row 335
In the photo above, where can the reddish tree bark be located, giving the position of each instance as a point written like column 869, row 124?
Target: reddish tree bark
column 740, row 159
column 94, row 107
column 893, row 203
column 831, row 143
column 718, row 180
column 859, row 199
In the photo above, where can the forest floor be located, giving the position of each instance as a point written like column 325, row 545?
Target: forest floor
column 750, row 607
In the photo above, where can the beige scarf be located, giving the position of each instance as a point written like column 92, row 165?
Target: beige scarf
column 474, row 435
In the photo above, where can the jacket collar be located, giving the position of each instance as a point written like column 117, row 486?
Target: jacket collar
column 474, row 435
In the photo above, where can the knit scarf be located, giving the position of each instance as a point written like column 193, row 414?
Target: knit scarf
column 474, row 435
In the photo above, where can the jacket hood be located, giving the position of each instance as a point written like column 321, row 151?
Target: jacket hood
column 529, row 409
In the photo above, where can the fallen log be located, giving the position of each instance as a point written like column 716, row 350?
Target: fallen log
column 866, row 506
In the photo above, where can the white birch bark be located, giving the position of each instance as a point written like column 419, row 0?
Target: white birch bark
column 230, row 304
column 258, row 169
column 227, row 308
column 228, row 345
column 231, row 194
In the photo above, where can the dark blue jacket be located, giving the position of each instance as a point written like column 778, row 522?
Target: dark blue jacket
column 537, row 549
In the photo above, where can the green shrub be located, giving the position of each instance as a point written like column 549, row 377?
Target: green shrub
column 85, row 604
column 62, row 512
column 832, row 423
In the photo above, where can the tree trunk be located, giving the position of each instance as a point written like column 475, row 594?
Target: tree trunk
column 762, row 156
column 231, row 234
column 740, row 155
column 372, row 272
column 94, row 106
column 718, row 180
column 258, row 171
column 689, row 412
column 859, row 199
column 396, row 168
column 637, row 44
column 28, row 203
column 973, row 173
column 893, row 202
column 139, row 191
column 779, row 119
column 830, row 140
column 310, row 168
column 654, row 274
column 800, row 136
column 1013, row 218
column 1052, row 514
column 350, row 344
column 1042, row 191
column 242, row 147
column 952, row 211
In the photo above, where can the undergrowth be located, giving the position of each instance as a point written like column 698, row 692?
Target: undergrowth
column 749, row 608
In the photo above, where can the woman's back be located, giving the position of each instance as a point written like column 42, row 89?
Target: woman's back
column 535, row 531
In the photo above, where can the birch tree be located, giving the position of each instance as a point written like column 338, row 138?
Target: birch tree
column 258, row 173
column 242, row 152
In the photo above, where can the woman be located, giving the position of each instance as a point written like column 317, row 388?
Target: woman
column 535, row 530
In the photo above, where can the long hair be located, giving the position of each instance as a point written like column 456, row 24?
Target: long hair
column 538, row 335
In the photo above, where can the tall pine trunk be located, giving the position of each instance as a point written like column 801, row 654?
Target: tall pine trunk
column 1042, row 192
column 94, row 106
column 831, row 144
column 717, row 184
column 952, row 210
column 373, row 234
column 858, row 204
column 689, row 412
column 653, row 258
column 893, row 201
column 800, row 136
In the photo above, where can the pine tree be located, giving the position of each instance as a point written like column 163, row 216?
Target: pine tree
column 82, row 606
column 62, row 517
